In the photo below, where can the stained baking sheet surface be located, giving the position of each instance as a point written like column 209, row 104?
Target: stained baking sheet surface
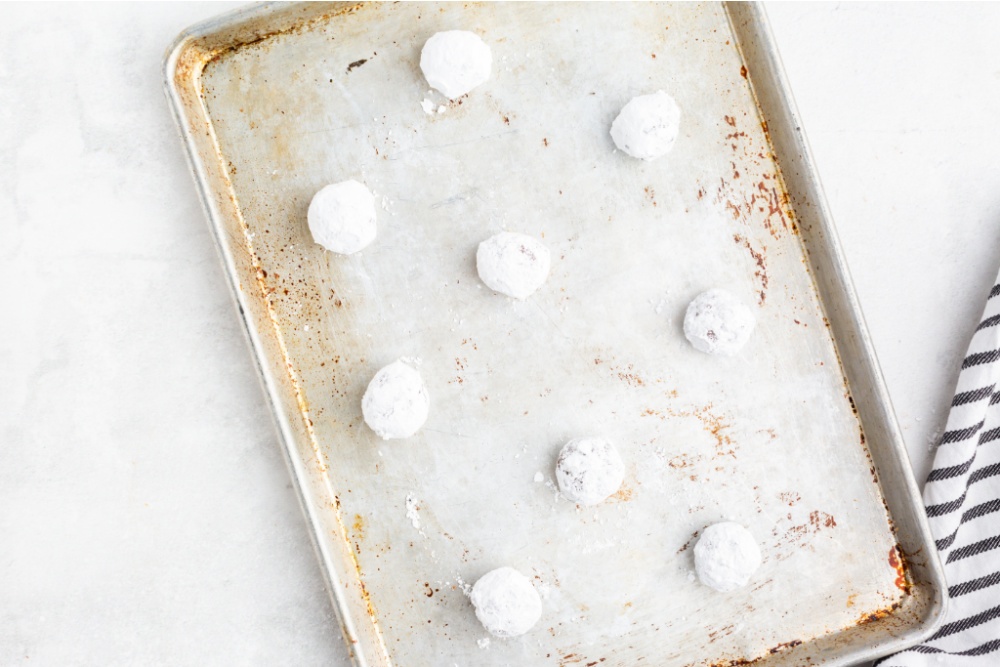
column 769, row 438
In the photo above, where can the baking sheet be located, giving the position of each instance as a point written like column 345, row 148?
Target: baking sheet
column 297, row 97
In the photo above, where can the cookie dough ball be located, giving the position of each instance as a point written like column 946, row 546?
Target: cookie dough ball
column 342, row 217
column 589, row 470
column 726, row 556
column 647, row 126
column 506, row 603
column 513, row 264
column 716, row 322
column 455, row 61
column 396, row 403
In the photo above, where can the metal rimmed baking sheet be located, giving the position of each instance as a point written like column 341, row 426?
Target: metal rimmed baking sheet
column 794, row 438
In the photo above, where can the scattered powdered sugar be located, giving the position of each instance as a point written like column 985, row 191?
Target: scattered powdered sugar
column 539, row 477
column 589, row 470
column 647, row 126
column 726, row 556
column 600, row 546
column 412, row 511
column 716, row 322
column 463, row 586
column 455, row 61
column 513, row 264
column 396, row 403
column 428, row 107
column 483, row 643
column 506, row 603
column 341, row 217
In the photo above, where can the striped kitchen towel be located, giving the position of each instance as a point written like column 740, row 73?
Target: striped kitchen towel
column 962, row 496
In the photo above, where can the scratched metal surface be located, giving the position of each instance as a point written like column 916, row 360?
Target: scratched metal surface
column 276, row 102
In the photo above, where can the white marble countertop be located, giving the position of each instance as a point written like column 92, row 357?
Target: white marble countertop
column 146, row 515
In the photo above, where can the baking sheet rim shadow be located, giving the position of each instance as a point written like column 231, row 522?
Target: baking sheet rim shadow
column 921, row 611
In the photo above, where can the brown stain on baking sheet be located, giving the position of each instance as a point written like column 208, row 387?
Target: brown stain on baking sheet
column 577, row 659
column 682, row 461
column 687, row 545
column 760, row 660
column 784, row 646
column 650, row 195
column 898, row 563
column 714, row 424
column 624, row 493
column 819, row 520
column 760, row 260
column 356, row 64
column 358, row 531
column 816, row 522
column 719, row 633
column 877, row 615
column 626, row 373
column 256, row 37
column 760, row 199
column 789, row 497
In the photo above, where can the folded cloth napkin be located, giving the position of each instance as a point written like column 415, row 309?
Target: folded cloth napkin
column 962, row 496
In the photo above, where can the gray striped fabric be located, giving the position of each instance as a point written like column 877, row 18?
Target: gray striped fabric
column 962, row 496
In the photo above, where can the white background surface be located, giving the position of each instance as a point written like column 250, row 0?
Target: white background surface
column 146, row 515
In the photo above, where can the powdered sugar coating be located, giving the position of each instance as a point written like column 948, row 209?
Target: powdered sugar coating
column 455, row 61
column 647, row 127
column 716, row 322
column 506, row 603
column 726, row 556
column 589, row 470
column 342, row 217
column 396, row 403
column 513, row 264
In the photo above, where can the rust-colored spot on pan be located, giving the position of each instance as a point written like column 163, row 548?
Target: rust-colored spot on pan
column 741, row 662
column 898, row 563
column 689, row 542
column 785, row 646
column 877, row 615
column 359, row 527
column 356, row 64
column 624, row 494
column 760, row 260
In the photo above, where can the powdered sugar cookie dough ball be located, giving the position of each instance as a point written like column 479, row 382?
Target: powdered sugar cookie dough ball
column 726, row 556
column 506, row 603
column 342, row 217
column 589, row 470
column 455, row 61
column 716, row 322
column 647, row 126
column 513, row 264
column 396, row 403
